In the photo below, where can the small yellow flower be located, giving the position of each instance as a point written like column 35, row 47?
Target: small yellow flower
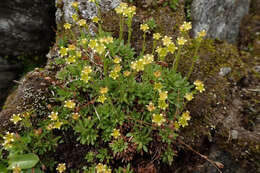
column 163, row 95
column 181, row 41
column 157, row 74
column 78, row 54
column 148, row 59
column 67, row 26
column 16, row 118
column 94, row 1
column 100, row 48
column 117, row 60
column 156, row 36
column 82, row 22
column 93, row 43
column 183, row 122
column 117, row 68
column 70, row 59
column 85, row 77
column 199, row 86
column 162, row 104
column 75, row 17
column 158, row 86
column 75, row 116
column 16, row 169
column 202, row 34
column 127, row 73
column 75, row 4
column 188, row 96
column 129, row 12
column 158, row 119
column 49, row 127
column 87, row 70
column 84, row 41
column 162, row 52
column 72, row 47
column 54, row 116
column 176, row 126
column 171, row 48
column 61, row 167
column 63, row 51
column 100, row 168
column 57, row 125
column 116, row 133
column 113, row 75
column 150, row 107
column 102, row 99
column 95, row 19
column 69, row 104
column 186, row 115
column 167, row 41
column 103, row 90
column 9, row 137
column 121, row 8
column 186, row 26
column 144, row 27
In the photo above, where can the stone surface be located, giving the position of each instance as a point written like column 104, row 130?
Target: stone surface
column 25, row 26
column 224, row 71
column 220, row 18
column 86, row 9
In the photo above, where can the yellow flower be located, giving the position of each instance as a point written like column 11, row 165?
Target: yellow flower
column 9, row 137
column 157, row 74
column 183, row 122
column 117, row 60
column 78, row 54
column 116, row 133
column 129, row 12
column 121, row 8
column 57, row 125
column 69, row 104
column 158, row 119
column 157, row 36
column 103, row 90
column 63, row 51
column 202, row 34
column 84, row 41
column 162, row 104
column 188, row 96
column 49, row 127
column 148, row 59
column 75, row 116
column 199, row 86
column 67, row 26
column 70, row 59
column 87, row 70
column 181, row 41
column 176, row 125
column 16, row 169
column 113, row 75
column 100, row 48
column 158, row 86
column 167, row 41
column 100, row 168
column 162, row 52
column 94, row 1
column 85, row 77
column 82, row 22
column 16, row 118
column 144, row 27
column 186, row 115
column 75, row 17
column 150, row 107
column 127, row 73
column 186, row 26
column 163, row 95
column 75, row 4
column 95, row 19
column 102, row 99
column 171, row 48
column 72, row 47
column 117, row 68
column 54, row 116
column 61, row 167
column 93, row 43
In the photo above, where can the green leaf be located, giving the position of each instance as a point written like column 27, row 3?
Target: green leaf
column 24, row 161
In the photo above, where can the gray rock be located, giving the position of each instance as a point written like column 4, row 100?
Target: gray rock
column 224, row 71
column 25, row 26
column 220, row 18
column 86, row 9
column 234, row 134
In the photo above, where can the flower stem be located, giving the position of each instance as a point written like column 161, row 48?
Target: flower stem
column 175, row 67
column 194, row 59
column 143, row 49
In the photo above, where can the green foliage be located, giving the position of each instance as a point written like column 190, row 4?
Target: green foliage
column 113, row 99
column 24, row 161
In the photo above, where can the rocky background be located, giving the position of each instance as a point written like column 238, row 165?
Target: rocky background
column 226, row 119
